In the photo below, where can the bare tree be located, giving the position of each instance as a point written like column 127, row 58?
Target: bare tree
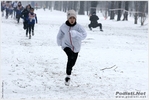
column 143, row 5
column 112, row 11
column 75, row 5
column 119, row 11
column 147, row 7
column 70, row 3
column 93, row 6
column 126, row 10
column 136, row 4
column 87, row 6
column 65, row 6
column 81, row 10
column 106, row 10
column 56, row 5
column 50, row 5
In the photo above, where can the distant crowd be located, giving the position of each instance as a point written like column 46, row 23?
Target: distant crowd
column 12, row 9
column 16, row 10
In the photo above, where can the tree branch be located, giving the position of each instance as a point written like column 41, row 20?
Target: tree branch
column 108, row 67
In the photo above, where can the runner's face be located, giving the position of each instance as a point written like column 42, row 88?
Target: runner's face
column 28, row 7
column 72, row 20
column 32, row 10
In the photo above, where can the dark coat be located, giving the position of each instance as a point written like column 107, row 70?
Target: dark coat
column 24, row 14
column 94, row 20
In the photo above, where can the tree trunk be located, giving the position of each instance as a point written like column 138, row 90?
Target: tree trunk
column 143, row 5
column 75, row 5
column 119, row 11
column 136, row 14
column 56, row 6
column 126, row 11
column 147, row 7
column 69, row 5
column 81, row 10
column 93, row 6
column 65, row 6
column 106, row 10
column 50, row 5
column 112, row 11
column 87, row 7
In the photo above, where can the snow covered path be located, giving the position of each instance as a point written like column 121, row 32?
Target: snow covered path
column 36, row 68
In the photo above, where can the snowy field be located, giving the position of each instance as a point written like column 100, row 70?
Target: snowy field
column 115, row 60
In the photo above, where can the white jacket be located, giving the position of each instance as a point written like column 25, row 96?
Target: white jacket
column 71, row 37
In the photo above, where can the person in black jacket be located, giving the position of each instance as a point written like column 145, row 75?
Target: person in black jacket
column 94, row 18
column 24, row 15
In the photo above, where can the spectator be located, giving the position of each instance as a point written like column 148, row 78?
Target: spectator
column 94, row 22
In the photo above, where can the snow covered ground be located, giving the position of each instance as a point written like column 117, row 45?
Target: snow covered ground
column 35, row 68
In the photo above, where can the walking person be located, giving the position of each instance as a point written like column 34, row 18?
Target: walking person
column 31, row 23
column 94, row 22
column 69, row 38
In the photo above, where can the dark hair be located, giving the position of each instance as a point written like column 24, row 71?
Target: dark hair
column 32, row 8
column 29, row 6
column 94, row 13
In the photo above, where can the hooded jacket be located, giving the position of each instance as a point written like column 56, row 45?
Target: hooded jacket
column 71, row 36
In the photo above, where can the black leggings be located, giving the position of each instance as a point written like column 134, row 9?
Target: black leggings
column 94, row 26
column 25, row 23
column 29, row 28
column 18, row 18
column 72, row 57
